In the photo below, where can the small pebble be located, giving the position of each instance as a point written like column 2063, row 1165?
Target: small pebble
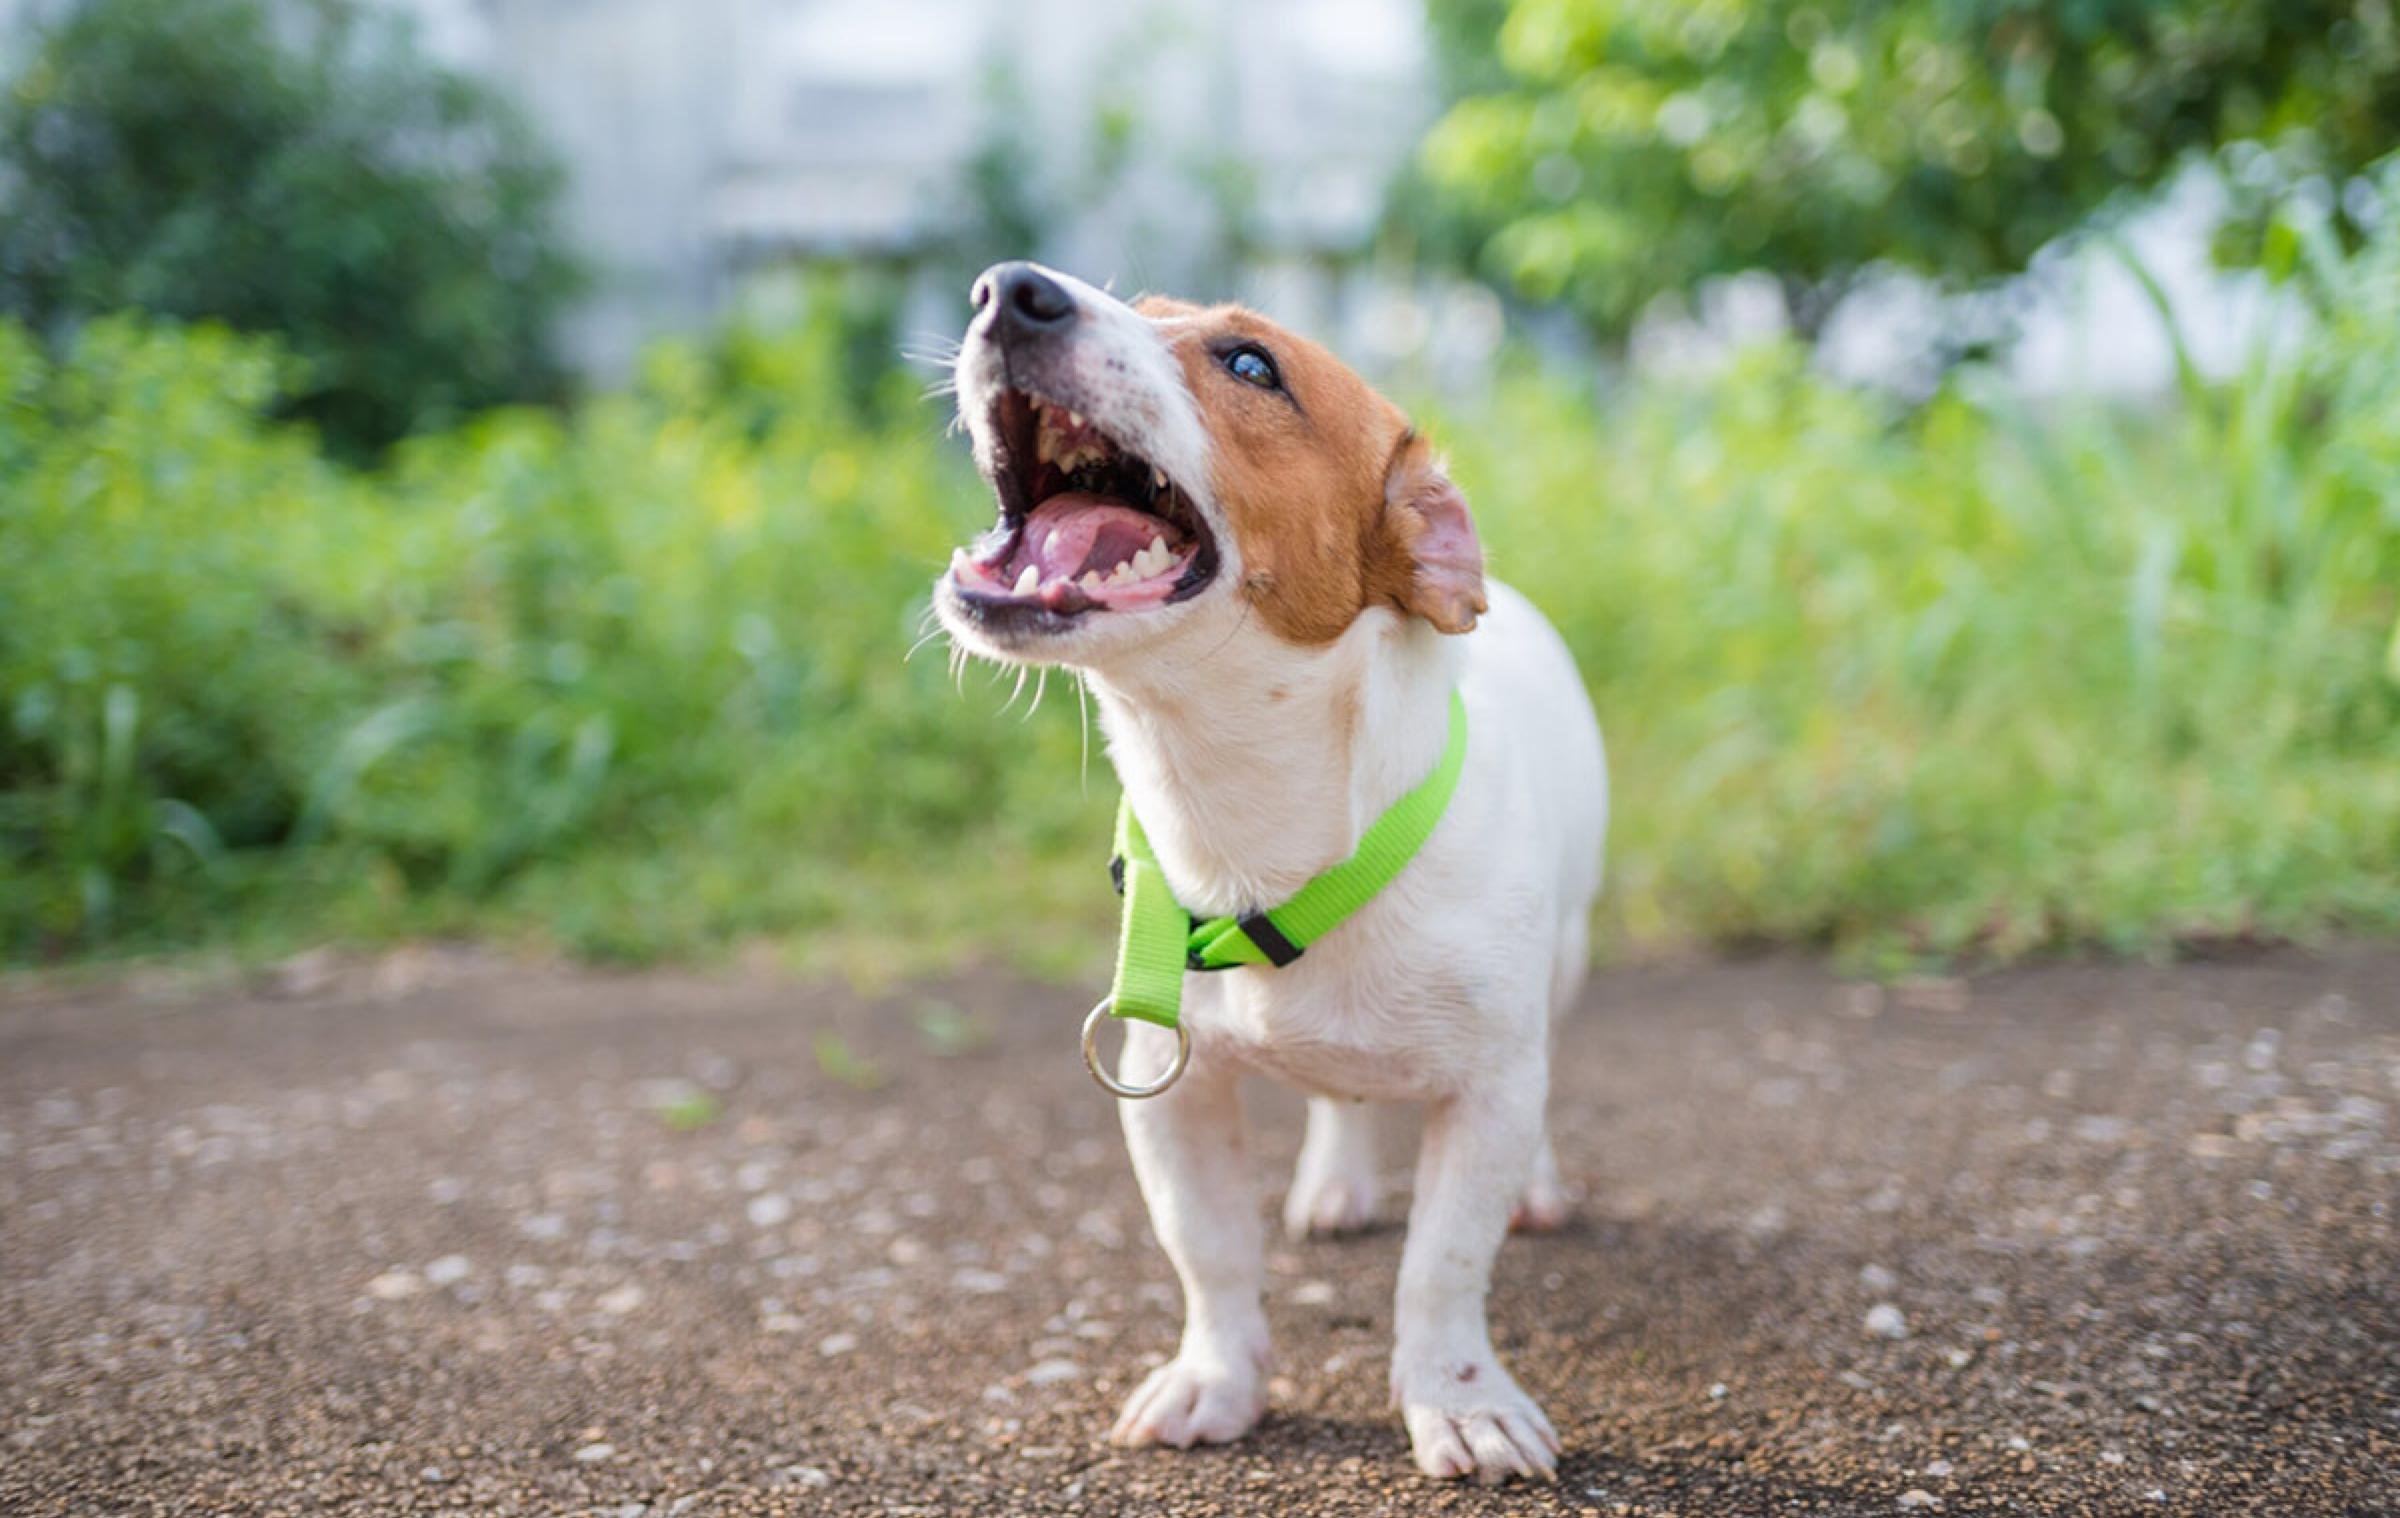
column 1050, row 1372
column 449, row 1270
column 392, row 1285
column 770, row 1209
column 594, row 1453
column 1917, row 1496
column 1885, row 1321
column 837, row 1344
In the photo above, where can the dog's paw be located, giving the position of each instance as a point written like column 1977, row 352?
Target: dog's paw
column 1472, row 1420
column 1190, row 1401
column 1330, row 1201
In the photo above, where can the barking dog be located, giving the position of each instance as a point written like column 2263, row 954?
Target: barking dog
column 1273, row 592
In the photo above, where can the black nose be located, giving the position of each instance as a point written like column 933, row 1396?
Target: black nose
column 1030, row 301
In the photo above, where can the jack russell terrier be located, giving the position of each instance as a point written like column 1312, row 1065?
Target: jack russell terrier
column 1277, row 598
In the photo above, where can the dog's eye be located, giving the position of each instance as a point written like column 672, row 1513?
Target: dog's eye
column 1251, row 363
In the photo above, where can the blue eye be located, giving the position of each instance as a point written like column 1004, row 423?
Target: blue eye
column 1253, row 365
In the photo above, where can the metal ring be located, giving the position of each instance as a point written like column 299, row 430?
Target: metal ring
column 1114, row 1086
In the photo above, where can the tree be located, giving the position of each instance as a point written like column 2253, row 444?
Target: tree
column 293, row 167
column 1604, row 152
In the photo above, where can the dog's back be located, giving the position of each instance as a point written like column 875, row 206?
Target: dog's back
column 1524, row 696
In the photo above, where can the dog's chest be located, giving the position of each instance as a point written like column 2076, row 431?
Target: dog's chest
column 1338, row 1029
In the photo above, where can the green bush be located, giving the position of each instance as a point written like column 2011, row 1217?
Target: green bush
column 293, row 167
column 1982, row 677
column 1985, row 678
column 1605, row 152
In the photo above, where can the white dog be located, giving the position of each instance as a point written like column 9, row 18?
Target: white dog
column 1273, row 592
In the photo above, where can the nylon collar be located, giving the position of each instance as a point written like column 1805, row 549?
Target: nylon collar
column 1158, row 941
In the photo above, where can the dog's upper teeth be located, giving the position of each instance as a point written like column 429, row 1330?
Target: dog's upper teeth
column 1158, row 478
column 1027, row 581
column 1075, row 420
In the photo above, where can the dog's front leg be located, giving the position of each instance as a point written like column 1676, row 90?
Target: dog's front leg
column 1189, row 1155
column 1465, row 1414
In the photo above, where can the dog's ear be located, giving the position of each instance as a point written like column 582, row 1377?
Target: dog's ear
column 1433, row 562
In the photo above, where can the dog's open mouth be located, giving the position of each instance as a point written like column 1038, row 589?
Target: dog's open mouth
column 1086, row 525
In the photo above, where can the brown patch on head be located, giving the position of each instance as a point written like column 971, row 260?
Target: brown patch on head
column 1334, row 502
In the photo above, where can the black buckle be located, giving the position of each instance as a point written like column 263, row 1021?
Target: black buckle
column 1260, row 929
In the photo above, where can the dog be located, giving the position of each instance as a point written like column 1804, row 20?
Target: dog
column 1272, row 589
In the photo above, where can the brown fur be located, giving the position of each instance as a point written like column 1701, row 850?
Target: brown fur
column 1323, row 487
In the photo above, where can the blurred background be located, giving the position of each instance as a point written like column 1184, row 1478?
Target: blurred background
column 472, row 467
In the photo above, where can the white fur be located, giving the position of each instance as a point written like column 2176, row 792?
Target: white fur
column 1441, row 991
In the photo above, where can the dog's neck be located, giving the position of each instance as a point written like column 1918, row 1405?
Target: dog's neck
column 1253, row 775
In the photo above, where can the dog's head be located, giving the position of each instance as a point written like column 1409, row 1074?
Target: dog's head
column 1175, row 479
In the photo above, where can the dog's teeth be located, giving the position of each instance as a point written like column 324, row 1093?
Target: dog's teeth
column 1158, row 478
column 1158, row 547
column 1121, row 574
column 1090, row 582
column 1027, row 581
column 1075, row 420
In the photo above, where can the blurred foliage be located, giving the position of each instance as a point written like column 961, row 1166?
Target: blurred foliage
column 293, row 167
column 1977, row 677
column 1606, row 152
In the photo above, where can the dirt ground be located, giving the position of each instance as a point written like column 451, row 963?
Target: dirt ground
column 440, row 1234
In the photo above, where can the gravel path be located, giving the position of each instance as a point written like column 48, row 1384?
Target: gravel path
column 444, row 1235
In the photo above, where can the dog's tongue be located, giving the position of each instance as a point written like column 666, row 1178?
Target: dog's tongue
column 1076, row 532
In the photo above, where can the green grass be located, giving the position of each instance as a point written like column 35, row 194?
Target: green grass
column 1974, row 679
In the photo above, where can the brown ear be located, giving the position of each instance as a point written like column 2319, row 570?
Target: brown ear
column 1434, row 561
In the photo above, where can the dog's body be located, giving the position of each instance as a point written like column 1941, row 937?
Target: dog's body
column 1273, row 672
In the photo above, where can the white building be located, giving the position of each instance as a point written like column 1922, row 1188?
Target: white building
column 1209, row 146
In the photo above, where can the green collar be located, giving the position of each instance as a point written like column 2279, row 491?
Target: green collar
column 1158, row 941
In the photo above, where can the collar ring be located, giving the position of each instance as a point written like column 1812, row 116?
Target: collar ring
column 1127, row 1090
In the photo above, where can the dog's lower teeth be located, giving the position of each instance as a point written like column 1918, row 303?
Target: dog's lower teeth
column 1027, row 581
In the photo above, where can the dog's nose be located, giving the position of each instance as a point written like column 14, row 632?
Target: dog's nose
column 1030, row 302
